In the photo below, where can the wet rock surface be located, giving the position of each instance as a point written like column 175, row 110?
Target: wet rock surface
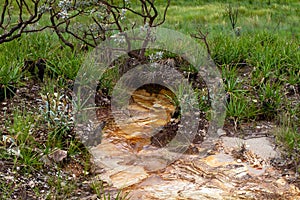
column 234, row 169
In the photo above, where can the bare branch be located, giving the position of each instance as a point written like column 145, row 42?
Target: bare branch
column 63, row 20
column 78, row 38
column 58, row 32
column 3, row 13
column 164, row 15
column 203, row 36
column 151, row 18
column 17, row 30
column 128, row 8
column 27, row 8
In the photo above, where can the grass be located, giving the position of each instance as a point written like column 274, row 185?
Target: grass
column 260, row 69
column 288, row 138
column 9, row 79
column 279, row 17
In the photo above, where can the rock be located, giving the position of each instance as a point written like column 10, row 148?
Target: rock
column 221, row 132
column 58, row 155
column 260, row 146
column 236, row 169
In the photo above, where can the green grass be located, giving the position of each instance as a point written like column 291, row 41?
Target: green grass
column 259, row 16
column 21, row 144
column 288, row 138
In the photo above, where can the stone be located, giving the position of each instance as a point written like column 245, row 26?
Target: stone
column 237, row 170
column 260, row 146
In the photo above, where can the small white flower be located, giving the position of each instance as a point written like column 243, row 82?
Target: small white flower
column 44, row 8
column 92, row 11
column 159, row 54
column 118, row 38
column 123, row 12
column 145, row 27
column 65, row 4
column 63, row 14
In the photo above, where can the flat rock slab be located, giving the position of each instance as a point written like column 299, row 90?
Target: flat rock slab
column 212, row 179
column 218, row 176
column 262, row 146
column 234, row 169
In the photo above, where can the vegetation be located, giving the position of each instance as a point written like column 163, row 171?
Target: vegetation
column 255, row 44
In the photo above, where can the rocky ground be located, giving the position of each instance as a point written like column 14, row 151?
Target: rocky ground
column 234, row 168
column 139, row 164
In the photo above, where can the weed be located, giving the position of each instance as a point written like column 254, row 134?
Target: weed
column 10, row 79
column 287, row 136
column 270, row 98
column 233, row 17
column 22, row 149
column 61, row 188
